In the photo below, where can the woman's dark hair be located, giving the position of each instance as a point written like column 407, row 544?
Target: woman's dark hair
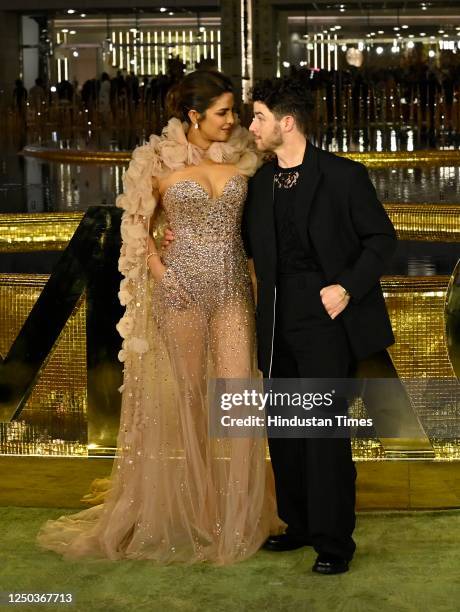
column 286, row 96
column 197, row 91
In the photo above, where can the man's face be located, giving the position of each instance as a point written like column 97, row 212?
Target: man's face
column 266, row 128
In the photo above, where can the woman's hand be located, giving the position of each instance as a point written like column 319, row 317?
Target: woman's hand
column 156, row 266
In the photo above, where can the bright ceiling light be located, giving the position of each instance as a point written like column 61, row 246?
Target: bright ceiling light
column 70, row 11
column 379, row 50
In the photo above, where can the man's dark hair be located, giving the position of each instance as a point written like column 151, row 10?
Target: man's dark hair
column 286, row 96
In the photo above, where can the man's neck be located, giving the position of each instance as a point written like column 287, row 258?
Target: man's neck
column 291, row 154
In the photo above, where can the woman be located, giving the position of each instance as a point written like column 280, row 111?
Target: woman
column 178, row 494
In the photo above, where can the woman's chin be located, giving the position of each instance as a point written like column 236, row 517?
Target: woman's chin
column 224, row 136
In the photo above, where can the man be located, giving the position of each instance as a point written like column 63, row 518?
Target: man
column 320, row 240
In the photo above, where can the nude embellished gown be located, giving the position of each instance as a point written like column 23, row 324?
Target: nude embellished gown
column 177, row 493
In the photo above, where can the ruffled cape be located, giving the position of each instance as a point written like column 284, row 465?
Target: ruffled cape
column 161, row 155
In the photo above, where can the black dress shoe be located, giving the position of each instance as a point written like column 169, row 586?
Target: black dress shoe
column 329, row 564
column 285, row 541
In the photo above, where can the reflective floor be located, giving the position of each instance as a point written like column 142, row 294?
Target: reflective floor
column 33, row 185
column 384, row 139
column 333, row 139
column 419, row 184
column 29, row 184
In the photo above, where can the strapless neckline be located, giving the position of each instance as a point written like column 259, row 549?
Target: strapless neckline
column 203, row 189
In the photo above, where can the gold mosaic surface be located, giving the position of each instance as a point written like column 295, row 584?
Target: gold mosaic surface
column 430, row 222
column 416, row 308
column 37, row 232
column 52, row 231
column 53, row 421
column 54, row 418
column 428, row 157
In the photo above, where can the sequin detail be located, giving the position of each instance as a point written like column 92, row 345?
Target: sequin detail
column 177, row 494
column 206, row 264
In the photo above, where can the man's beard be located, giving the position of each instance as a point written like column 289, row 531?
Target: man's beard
column 275, row 139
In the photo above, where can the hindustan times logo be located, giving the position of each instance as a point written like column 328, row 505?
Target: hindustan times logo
column 255, row 399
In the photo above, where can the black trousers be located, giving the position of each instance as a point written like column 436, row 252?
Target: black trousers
column 315, row 478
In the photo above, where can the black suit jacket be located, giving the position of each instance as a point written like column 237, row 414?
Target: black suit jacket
column 336, row 206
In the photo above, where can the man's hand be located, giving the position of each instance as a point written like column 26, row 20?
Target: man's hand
column 335, row 299
column 168, row 237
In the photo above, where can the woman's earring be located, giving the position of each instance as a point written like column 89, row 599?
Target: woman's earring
column 196, row 126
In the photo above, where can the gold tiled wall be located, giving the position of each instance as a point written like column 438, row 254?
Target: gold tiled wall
column 53, row 420
column 416, row 307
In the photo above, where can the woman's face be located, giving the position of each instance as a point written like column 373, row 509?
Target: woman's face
column 219, row 119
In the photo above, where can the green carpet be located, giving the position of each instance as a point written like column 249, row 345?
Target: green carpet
column 405, row 562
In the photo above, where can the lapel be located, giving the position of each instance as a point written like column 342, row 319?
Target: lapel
column 306, row 188
column 267, row 213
